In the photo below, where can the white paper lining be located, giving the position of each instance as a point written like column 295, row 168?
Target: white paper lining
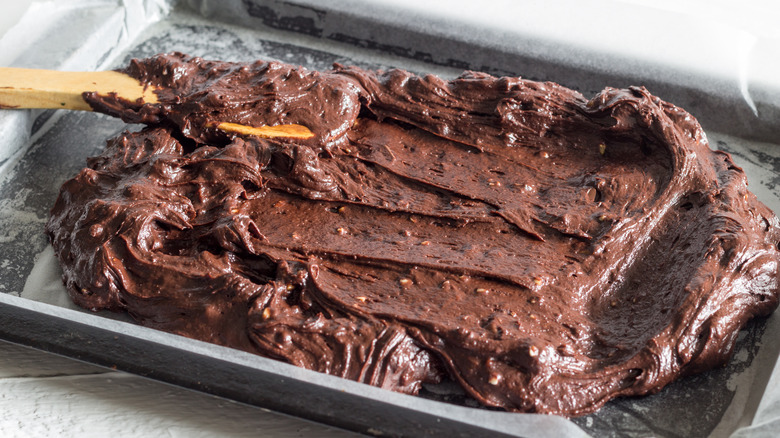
column 68, row 35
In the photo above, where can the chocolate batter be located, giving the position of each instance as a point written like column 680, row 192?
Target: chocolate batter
column 545, row 251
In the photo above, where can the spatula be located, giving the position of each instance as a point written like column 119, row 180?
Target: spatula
column 45, row 89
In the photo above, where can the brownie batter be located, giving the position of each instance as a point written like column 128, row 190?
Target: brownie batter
column 545, row 251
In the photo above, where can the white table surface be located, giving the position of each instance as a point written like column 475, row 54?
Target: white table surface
column 44, row 395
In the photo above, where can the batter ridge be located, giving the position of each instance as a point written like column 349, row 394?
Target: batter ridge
column 545, row 251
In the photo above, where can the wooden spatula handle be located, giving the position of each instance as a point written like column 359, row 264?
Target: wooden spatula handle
column 31, row 88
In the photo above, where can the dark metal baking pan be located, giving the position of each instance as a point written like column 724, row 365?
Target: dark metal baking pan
column 317, row 36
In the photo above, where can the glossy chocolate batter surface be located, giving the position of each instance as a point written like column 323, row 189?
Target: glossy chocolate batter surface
column 545, row 251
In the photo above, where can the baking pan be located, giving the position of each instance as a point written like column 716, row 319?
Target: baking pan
column 53, row 146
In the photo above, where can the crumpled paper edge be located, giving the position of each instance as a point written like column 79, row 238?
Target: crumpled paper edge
column 67, row 35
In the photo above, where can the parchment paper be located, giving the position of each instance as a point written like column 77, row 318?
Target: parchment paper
column 40, row 150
